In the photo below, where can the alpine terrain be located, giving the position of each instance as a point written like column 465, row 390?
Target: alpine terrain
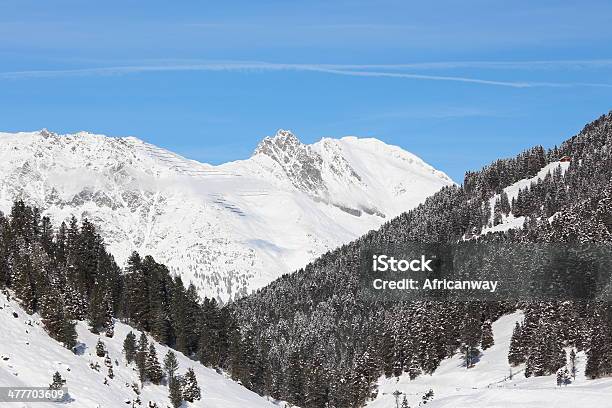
column 228, row 229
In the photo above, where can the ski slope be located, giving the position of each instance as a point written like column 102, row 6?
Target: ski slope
column 487, row 385
column 29, row 357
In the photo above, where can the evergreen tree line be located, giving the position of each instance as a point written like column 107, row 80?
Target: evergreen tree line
column 66, row 274
column 144, row 355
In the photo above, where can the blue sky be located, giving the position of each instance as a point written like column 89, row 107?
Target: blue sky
column 457, row 83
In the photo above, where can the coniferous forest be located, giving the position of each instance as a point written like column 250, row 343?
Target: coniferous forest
column 313, row 337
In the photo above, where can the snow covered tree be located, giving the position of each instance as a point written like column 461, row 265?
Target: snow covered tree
column 486, row 339
column 129, row 347
column 176, row 394
column 563, row 377
column 428, row 396
column 170, row 364
column 100, row 348
column 108, row 323
column 97, row 312
column 497, row 213
column 107, row 360
column 504, row 203
column 191, row 389
column 58, row 324
column 141, row 358
column 516, row 355
column 152, row 367
column 414, row 370
column 58, row 382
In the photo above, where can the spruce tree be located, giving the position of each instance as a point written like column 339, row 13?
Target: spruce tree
column 129, row 347
column 176, row 394
column 486, row 340
column 516, row 354
column 96, row 310
column 504, row 203
column 414, row 370
column 170, row 364
column 23, row 279
column 152, row 367
column 57, row 323
column 100, row 349
column 191, row 390
column 142, row 353
column 58, row 382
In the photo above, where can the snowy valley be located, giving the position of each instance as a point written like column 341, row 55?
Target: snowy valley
column 492, row 382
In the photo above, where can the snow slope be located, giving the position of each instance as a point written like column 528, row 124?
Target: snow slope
column 29, row 357
column 509, row 221
column 230, row 228
column 487, row 385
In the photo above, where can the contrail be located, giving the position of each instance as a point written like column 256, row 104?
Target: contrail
column 332, row 69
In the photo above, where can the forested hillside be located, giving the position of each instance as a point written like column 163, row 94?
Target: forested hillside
column 313, row 337
column 66, row 275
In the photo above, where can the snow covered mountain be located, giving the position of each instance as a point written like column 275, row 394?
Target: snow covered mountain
column 29, row 357
column 230, row 228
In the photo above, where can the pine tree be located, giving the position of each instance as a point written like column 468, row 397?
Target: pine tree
column 23, row 279
column 563, row 377
column 317, row 383
column 58, row 382
column 504, row 203
column 57, row 323
column 108, row 322
column 170, row 364
column 497, row 213
column 413, row 368
column 152, row 367
column 100, row 349
column 142, row 353
column 107, row 360
column 176, row 394
column 428, row 396
column 96, row 310
column 129, row 347
column 486, row 340
column 516, row 355
column 191, row 390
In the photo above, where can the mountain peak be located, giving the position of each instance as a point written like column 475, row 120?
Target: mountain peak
column 44, row 132
column 283, row 140
column 284, row 134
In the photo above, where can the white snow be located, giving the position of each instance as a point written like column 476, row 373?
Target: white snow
column 509, row 221
column 33, row 357
column 486, row 385
column 229, row 229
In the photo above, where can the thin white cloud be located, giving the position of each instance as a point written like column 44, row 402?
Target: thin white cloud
column 334, row 69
